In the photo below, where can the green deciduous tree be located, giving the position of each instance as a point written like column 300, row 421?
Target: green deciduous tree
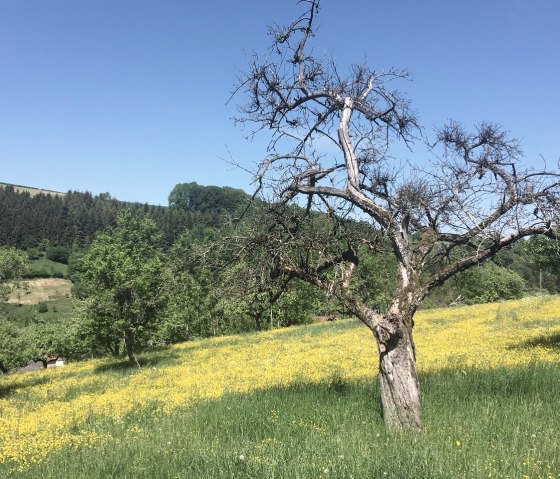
column 123, row 273
column 207, row 199
column 13, row 264
column 489, row 283
column 546, row 253
column 190, row 310
column 12, row 346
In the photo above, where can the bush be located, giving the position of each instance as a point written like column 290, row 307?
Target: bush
column 58, row 254
column 490, row 283
column 42, row 307
column 483, row 284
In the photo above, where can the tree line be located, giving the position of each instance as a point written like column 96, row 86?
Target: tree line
column 72, row 220
column 134, row 291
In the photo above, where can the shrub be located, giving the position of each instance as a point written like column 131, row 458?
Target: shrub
column 490, row 283
column 58, row 254
column 42, row 307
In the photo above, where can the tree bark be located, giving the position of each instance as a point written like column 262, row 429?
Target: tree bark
column 129, row 342
column 400, row 390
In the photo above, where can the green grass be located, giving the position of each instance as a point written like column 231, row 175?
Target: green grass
column 44, row 267
column 26, row 314
column 503, row 423
column 310, row 415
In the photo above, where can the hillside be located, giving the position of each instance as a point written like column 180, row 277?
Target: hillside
column 74, row 218
column 31, row 190
column 41, row 289
column 297, row 402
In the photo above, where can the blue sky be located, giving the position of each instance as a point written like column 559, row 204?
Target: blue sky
column 129, row 96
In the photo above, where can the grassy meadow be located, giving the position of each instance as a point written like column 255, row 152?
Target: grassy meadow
column 300, row 403
column 54, row 294
column 24, row 314
column 44, row 267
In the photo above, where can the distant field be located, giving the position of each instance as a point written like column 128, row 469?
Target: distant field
column 42, row 289
column 302, row 403
column 32, row 191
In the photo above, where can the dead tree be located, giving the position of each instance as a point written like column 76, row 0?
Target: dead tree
column 331, row 148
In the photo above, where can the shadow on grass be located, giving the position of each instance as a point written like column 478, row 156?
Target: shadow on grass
column 525, row 383
column 26, row 382
column 551, row 341
column 460, row 394
column 244, row 338
column 301, row 429
column 164, row 357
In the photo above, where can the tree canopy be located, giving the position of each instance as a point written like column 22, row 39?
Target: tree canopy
column 123, row 269
column 205, row 199
column 13, row 264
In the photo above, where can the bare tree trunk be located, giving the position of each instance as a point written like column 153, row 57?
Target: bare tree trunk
column 400, row 390
column 129, row 341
